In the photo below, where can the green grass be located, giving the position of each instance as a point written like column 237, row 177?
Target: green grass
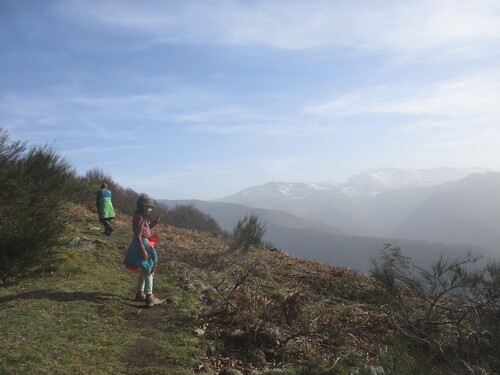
column 78, row 317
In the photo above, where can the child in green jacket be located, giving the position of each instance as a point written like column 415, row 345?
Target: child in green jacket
column 104, row 204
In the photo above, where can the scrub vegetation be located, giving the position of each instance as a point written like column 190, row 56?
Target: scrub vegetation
column 231, row 304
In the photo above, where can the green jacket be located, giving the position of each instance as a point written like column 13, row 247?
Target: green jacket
column 104, row 204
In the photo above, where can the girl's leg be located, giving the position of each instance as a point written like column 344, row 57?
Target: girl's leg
column 140, row 296
column 148, row 283
column 148, row 289
column 141, row 282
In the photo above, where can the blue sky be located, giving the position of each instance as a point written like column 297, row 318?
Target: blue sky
column 201, row 99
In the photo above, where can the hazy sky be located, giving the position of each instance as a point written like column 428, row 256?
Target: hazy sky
column 201, row 99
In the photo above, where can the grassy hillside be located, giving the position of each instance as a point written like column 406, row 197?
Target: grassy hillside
column 262, row 312
column 78, row 317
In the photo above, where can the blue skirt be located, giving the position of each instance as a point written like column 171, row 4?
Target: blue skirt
column 133, row 257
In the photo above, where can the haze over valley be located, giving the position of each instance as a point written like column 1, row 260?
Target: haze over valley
column 425, row 212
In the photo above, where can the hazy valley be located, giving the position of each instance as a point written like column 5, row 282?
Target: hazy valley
column 425, row 212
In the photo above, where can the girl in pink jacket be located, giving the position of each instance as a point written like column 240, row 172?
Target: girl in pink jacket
column 141, row 253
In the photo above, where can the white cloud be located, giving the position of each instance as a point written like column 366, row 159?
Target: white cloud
column 201, row 111
column 449, row 25
column 216, row 114
column 102, row 149
column 464, row 97
column 468, row 97
column 441, row 115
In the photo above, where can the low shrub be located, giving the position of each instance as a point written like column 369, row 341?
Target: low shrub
column 35, row 187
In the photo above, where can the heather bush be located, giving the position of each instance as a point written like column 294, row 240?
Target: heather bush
column 449, row 311
column 35, row 186
column 189, row 217
column 247, row 232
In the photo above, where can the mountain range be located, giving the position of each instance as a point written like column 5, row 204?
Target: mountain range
column 425, row 212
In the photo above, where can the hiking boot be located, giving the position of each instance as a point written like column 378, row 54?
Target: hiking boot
column 140, row 297
column 150, row 300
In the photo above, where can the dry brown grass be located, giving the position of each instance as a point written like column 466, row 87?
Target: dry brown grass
column 265, row 309
column 288, row 308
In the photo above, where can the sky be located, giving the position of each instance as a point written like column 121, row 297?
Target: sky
column 202, row 99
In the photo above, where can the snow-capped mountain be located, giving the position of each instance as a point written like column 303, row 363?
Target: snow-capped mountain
column 287, row 191
column 379, row 202
column 312, row 201
column 366, row 184
column 374, row 181
column 296, row 191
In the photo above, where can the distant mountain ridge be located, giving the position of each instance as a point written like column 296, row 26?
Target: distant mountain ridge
column 467, row 211
column 389, row 199
column 375, row 181
column 322, row 222
column 366, row 184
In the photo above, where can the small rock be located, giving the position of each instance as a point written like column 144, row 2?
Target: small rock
column 81, row 242
column 199, row 332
